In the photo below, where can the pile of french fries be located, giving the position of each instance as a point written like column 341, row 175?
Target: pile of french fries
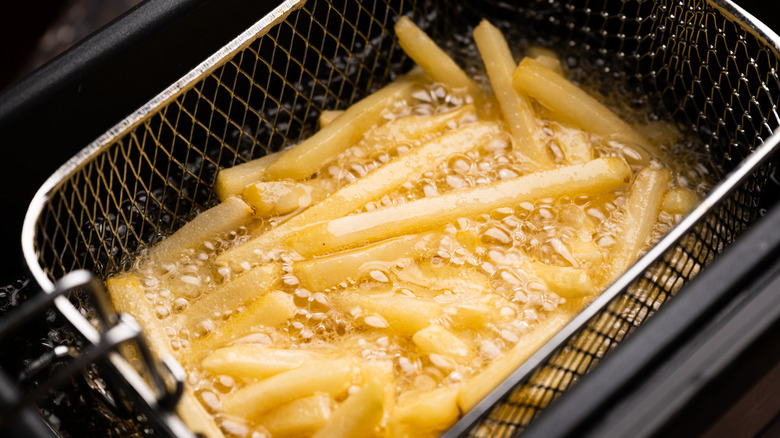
column 382, row 276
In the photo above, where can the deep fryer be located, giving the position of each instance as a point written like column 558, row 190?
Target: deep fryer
column 712, row 68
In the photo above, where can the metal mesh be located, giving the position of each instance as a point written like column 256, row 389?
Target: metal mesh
column 713, row 73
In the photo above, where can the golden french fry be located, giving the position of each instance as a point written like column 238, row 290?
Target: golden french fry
column 640, row 215
column 233, row 180
column 229, row 296
column 306, row 158
column 565, row 281
column 456, row 279
column 253, row 361
column 436, row 64
column 599, row 175
column 659, row 132
column 329, row 376
column 222, row 218
column 275, row 198
column 302, row 417
column 402, row 314
column 412, row 128
column 327, row 117
column 195, row 416
column 357, row 416
column 577, row 107
column 547, row 57
column 366, row 189
column 469, row 315
column 380, row 372
column 436, row 339
column 269, row 310
column 324, row 272
column 128, row 297
column 515, row 107
column 480, row 385
column 425, row 413
column 680, row 200
column 574, row 143
column 472, row 311
column 587, row 252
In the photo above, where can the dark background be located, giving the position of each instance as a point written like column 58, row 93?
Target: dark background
column 51, row 107
column 35, row 33
column 32, row 33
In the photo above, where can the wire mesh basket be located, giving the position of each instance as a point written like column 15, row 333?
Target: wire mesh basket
column 710, row 67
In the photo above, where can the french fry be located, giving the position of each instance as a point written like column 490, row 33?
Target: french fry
column 639, row 216
column 659, row 132
column 327, row 117
column 231, row 295
column 434, row 62
column 575, row 144
column 546, row 57
column 306, row 158
column 436, row 339
column 587, row 252
column 332, row 376
column 275, row 198
column 324, row 272
column 473, row 315
column 680, row 200
column 269, row 310
column 577, row 107
column 425, row 413
column 301, row 417
column 366, row 189
column 357, row 416
column 233, row 180
column 412, row 128
column 380, row 372
column 480, row 385
column 472, row 311
column 565, row 281
column 515, row 107
column 128, row 297
column 597, row 176
column 446, row 278
column 404, row 315
column 195, row 416
column 253, row 361
column 222, row 218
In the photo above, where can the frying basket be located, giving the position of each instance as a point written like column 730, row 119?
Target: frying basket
column 705, row 62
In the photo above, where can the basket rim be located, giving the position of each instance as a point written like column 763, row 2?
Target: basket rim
column 749, row 23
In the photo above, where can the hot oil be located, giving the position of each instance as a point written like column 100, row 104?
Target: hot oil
column 492, row 249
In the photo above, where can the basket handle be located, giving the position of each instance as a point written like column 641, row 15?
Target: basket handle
column 137, row 383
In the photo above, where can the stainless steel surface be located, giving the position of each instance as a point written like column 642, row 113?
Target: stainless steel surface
column 712, row 67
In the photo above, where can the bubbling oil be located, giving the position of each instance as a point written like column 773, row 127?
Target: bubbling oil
column 484, row 257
